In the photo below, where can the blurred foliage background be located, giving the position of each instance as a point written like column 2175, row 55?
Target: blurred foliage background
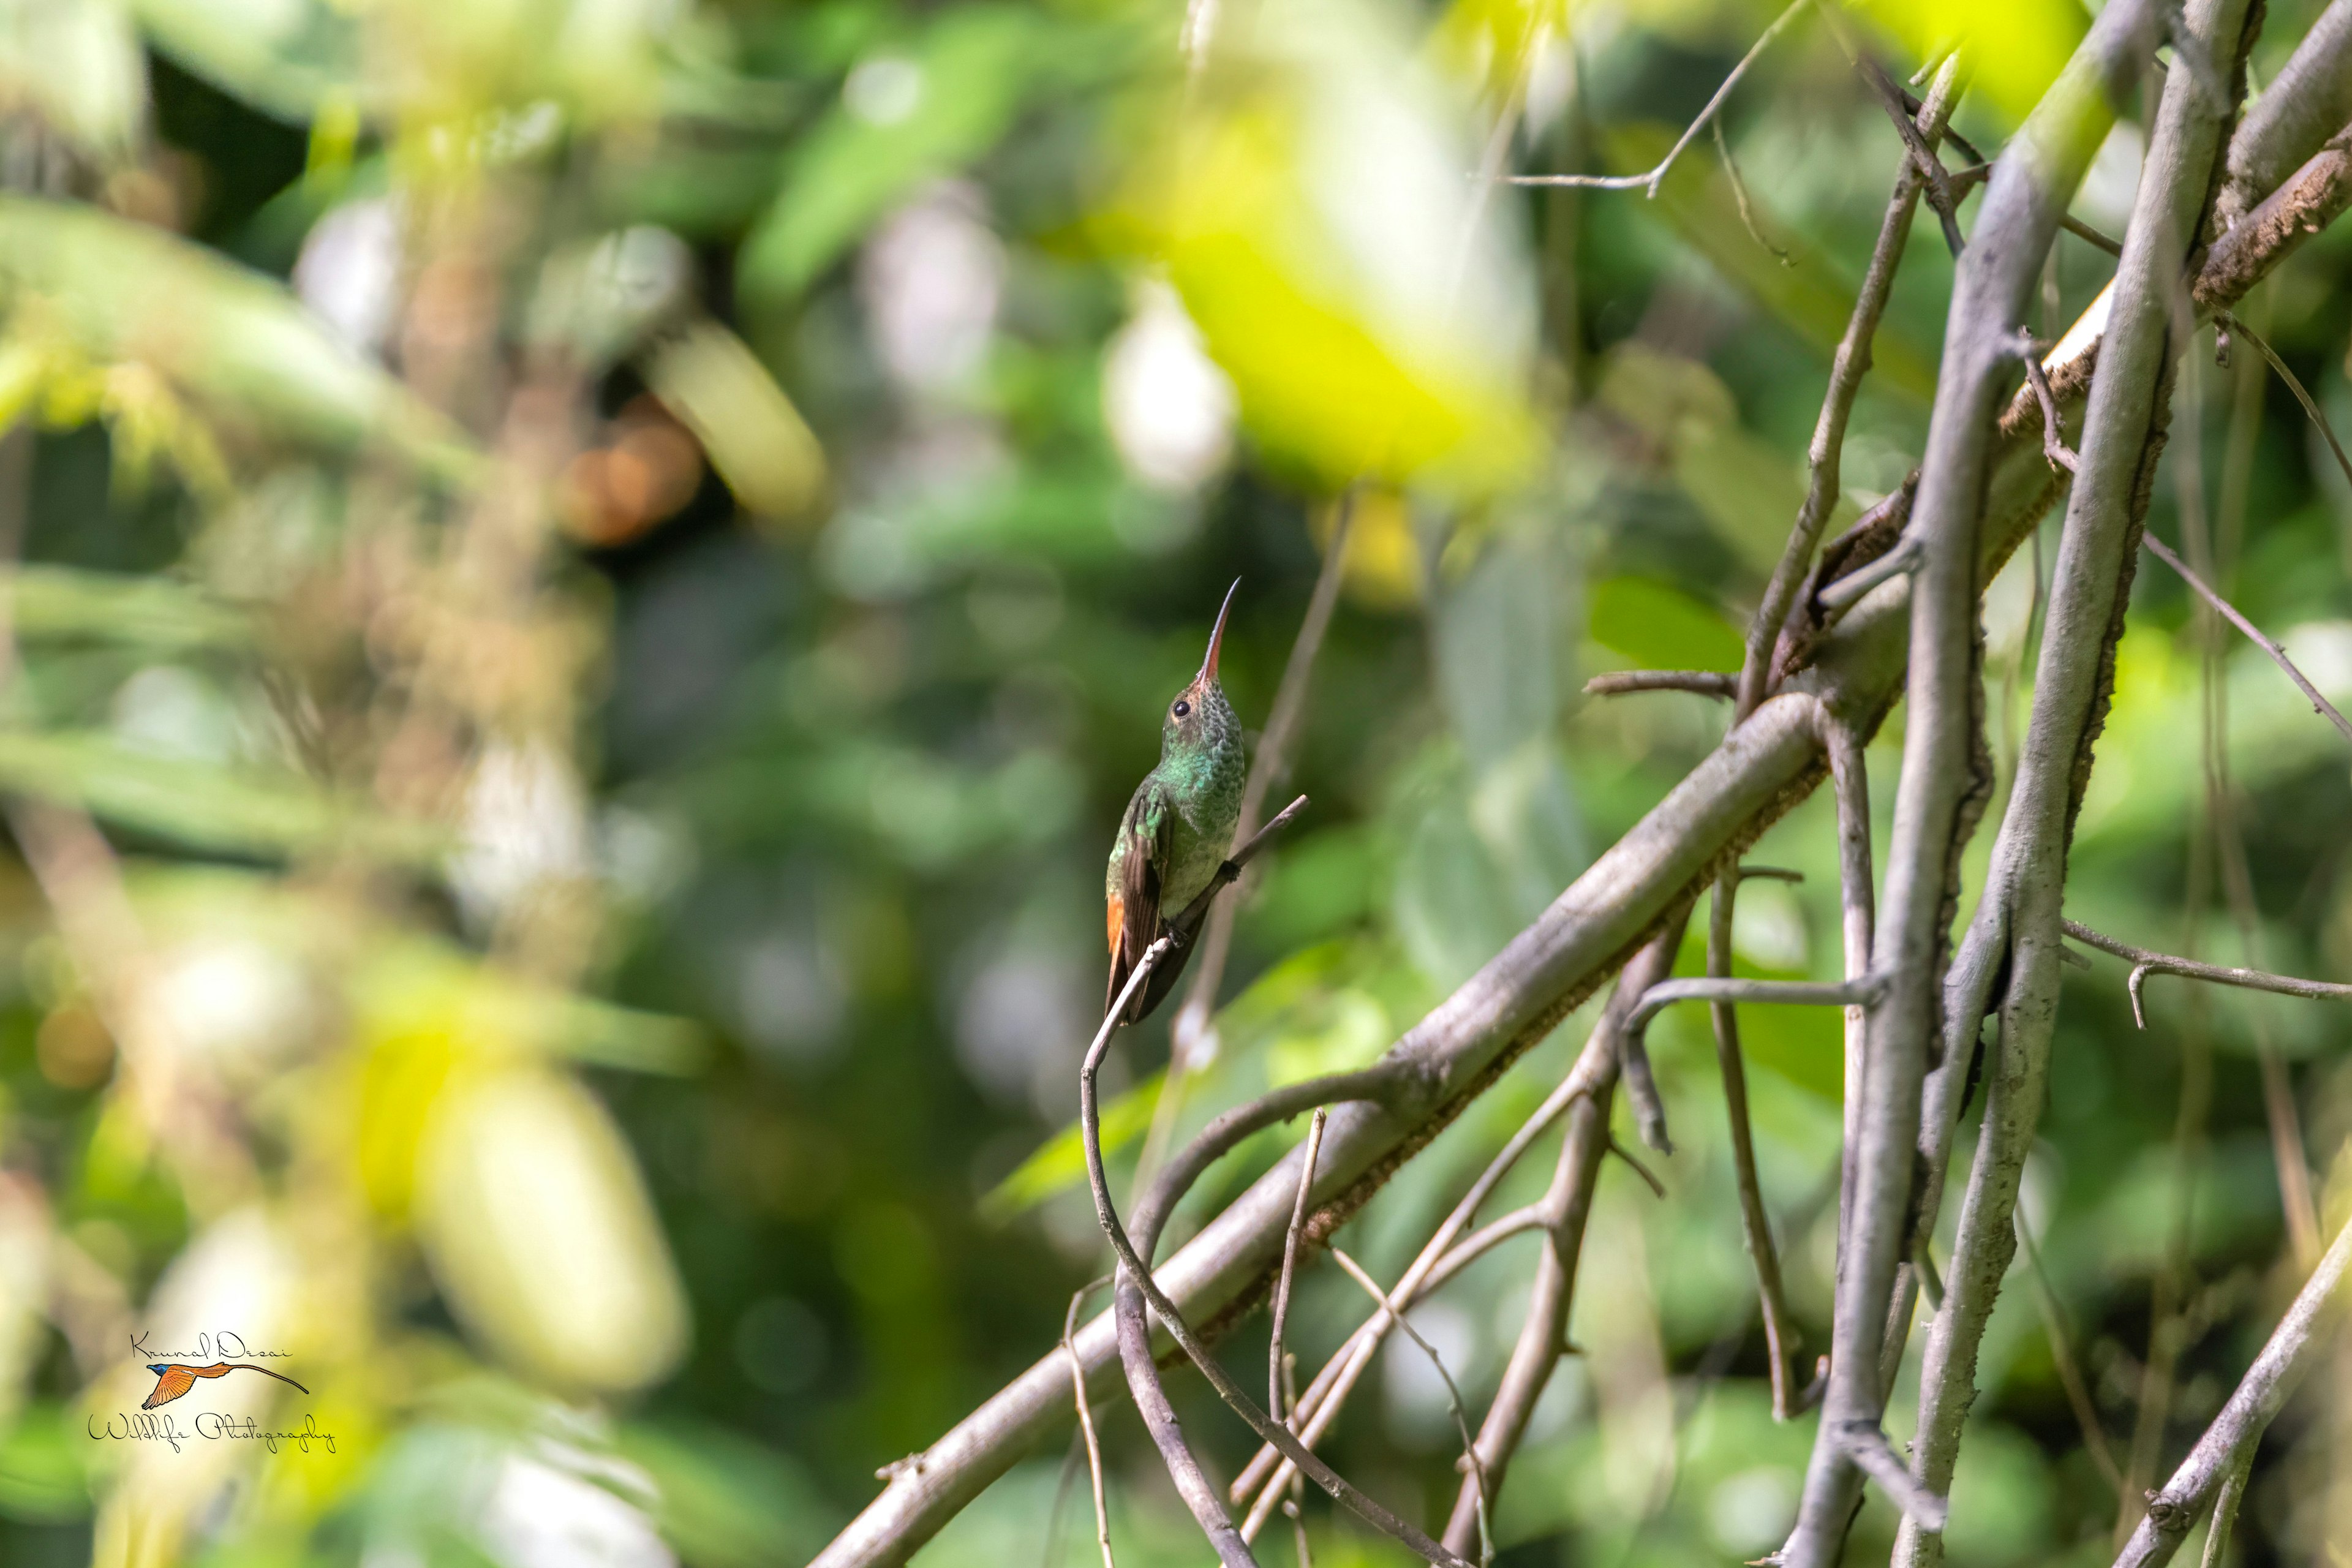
column 594, row 575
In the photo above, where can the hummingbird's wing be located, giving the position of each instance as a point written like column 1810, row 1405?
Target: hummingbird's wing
column 1138, row 859
column 173, row 1382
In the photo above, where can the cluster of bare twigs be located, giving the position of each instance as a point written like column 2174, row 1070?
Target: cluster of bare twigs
column 1890, row 609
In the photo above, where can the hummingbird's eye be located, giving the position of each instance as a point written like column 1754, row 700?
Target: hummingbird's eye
column 1182, row 708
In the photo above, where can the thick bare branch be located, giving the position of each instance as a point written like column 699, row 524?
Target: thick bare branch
column 1763, row 640
column 2019, row 219
column 2122, row 437
column 2313, row 198
column 2304, row 104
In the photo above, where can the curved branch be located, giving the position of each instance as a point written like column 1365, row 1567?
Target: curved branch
column 1137, row 1287
column 1859, row 993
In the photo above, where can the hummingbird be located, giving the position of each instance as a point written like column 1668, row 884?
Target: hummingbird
column 1177, row 829
column 174, row 1379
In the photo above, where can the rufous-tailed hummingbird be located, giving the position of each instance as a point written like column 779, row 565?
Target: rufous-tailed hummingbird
column 1178, row 828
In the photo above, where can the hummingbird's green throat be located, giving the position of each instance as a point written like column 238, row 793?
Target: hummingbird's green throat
column 1178, row 826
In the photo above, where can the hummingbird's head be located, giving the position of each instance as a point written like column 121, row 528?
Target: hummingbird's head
column 1200, row 719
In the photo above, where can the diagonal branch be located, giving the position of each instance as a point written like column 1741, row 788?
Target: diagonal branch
column 1273, row 1380
column 1477, row 1472
column 2228, row 1444
column 2318, row 416
column 1567, row 1206
column 1584, row 1095
column 2319, row 704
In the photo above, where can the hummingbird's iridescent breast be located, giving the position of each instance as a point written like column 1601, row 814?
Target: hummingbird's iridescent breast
column 1202, row 769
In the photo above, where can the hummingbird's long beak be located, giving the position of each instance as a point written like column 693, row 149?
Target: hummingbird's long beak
column 1217, row 637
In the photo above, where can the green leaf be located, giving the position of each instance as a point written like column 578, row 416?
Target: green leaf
column 756, row 439
column 286, row 59
column 41, row 1475
column 962, row 85
column 1659, row 626
column 203, row 805
column 727, row 1502
column 237, row 343
column 1061, row 1162
column 152, row 612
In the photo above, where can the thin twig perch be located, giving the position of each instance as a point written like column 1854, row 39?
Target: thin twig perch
column 1136, row 1275
column 1273, row 1380
column 1087, row 1423
column 1703, row 682
column 2319, row 704
column 1477, row 1471
column 1649, row 181
column 2145, row 962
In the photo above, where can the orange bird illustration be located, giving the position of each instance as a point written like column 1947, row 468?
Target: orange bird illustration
column 174, row 1378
